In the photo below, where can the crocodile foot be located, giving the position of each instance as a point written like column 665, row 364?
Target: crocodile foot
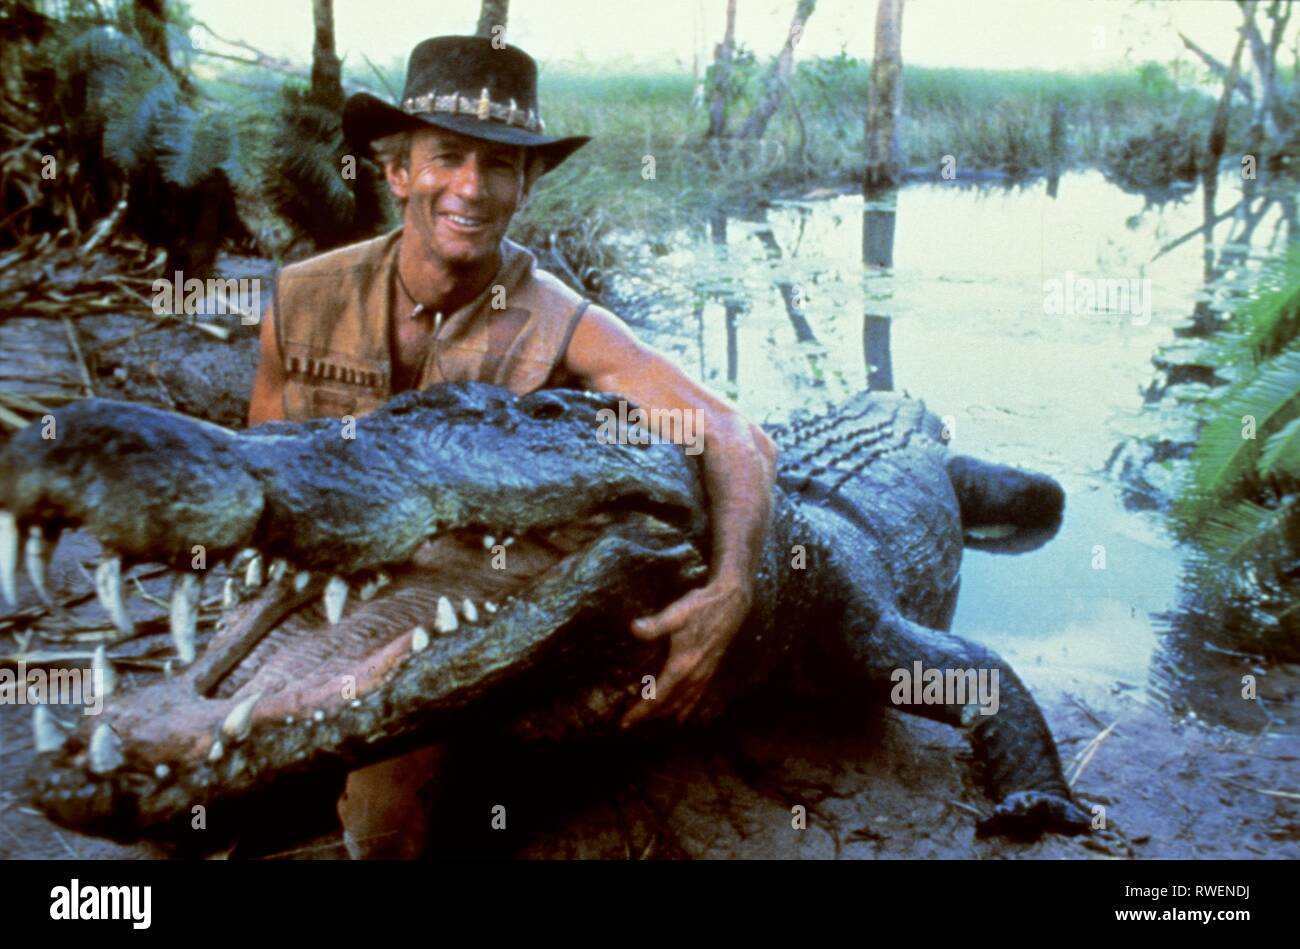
column 1030, row 813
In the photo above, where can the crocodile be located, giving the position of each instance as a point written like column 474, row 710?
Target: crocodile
column 467, row 558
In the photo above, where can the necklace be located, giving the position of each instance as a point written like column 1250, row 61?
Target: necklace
column 419, row 307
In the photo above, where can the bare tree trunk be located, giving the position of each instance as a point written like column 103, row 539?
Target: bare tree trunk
column 151, row 23
column 723, row 55
column 492, row 13
column 1219, row 125
column 1213, row 154
column 326, row 70
column 885, row 101
column 1263, row 126
column 778, row 80
column 150, row 20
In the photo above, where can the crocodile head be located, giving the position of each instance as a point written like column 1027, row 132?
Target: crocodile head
column 457, row 545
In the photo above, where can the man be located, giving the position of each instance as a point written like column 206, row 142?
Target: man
column 448, row 298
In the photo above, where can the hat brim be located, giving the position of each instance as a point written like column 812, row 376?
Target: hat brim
column 367, row 117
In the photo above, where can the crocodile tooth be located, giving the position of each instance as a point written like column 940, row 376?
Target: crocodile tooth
column 489, row 541
column 229, row 595
column 108, row 587
column 336, row 595
column 99, row 663
column 445, row 621
column 507, row 542
column 468, row 610
column 240, row 720
column 419, row 639
column 279, row 566
column 300, row 580
column 253, row 572
column 161, row 771
column 49, row 737
column 489, row 606
column 185, row 614
column 369, row 589
column 8, row 557
column 216, row 751
column 105, row 751
column 34, row 554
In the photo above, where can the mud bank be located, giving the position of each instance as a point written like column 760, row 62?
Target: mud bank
column 136, row 356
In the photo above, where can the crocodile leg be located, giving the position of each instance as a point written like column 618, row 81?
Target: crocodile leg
column 1022, row 770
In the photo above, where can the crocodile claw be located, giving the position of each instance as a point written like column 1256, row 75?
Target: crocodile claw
column 1030, row 813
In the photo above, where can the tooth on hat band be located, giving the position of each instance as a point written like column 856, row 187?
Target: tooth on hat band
column 483, row 107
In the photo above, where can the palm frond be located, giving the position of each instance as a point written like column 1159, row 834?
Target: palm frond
column 1224, row 456
column 1264, row 323
column 195, row 145
column 1273, row 319
column 1281, row 455
column 1242, row 533
column 103, row 46
column 141, row 117
column 301, row 174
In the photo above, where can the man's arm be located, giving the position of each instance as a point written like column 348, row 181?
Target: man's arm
column 739, row 472
column 267, row 401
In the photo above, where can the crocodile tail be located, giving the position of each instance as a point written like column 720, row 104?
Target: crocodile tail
column 993, row 495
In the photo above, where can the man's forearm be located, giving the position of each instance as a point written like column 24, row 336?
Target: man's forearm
column 739, row 472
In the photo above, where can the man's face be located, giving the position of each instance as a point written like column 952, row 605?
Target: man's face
column 460, row 194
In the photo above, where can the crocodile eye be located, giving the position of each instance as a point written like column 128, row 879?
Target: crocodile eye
column 544, row 406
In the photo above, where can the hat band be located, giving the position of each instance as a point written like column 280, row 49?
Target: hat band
column 483, row 108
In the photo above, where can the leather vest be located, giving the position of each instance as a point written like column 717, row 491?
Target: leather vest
column 333, row 314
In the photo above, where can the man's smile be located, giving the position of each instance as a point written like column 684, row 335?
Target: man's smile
column 465, row 223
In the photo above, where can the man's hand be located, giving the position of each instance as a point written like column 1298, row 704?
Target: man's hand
column 701, row 625
column 739, row 472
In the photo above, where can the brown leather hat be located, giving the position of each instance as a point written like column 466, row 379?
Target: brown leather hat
column 464, row 84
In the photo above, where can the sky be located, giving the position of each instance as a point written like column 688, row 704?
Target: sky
column 991, row 34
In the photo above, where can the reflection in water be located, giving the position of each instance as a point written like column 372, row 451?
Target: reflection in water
column 875, row 350
column 790, row 296
column 950, row 307
column 718, row 231
column 1191, row 672
column 879, row 215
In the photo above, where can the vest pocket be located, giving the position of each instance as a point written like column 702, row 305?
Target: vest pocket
column 332, row 403
column 307, row 399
